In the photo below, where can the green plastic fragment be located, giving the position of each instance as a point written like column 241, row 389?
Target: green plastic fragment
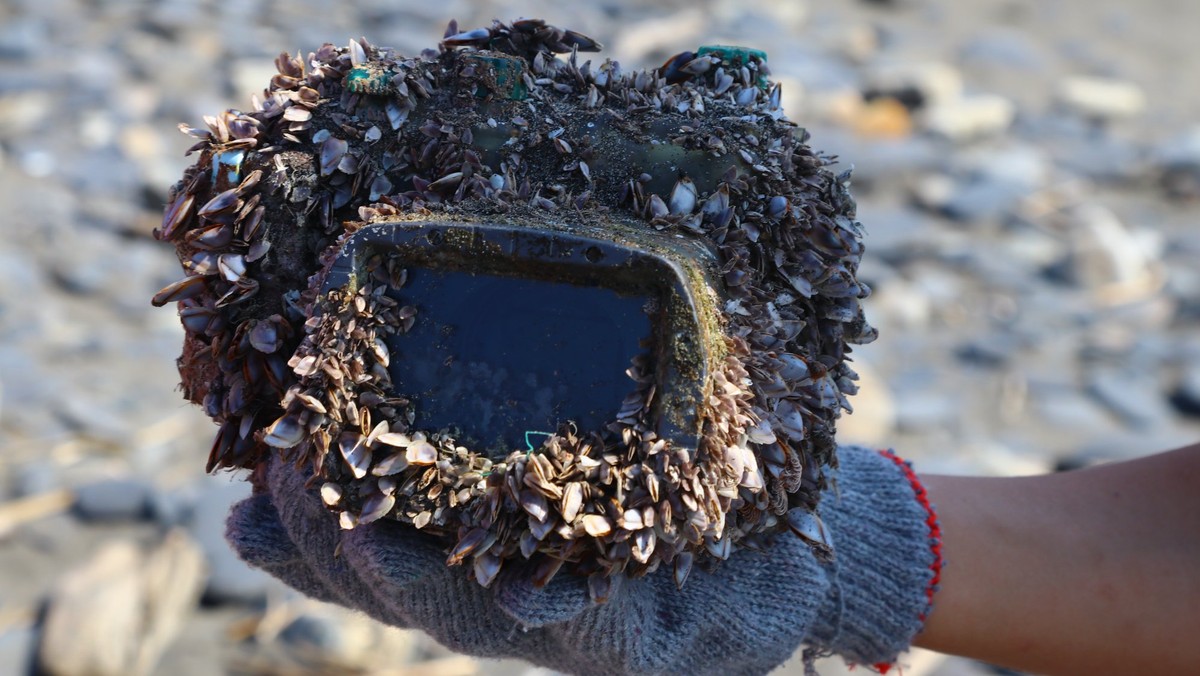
column 508, row 72
column 370, row 79
column 737, row 56
column 529, row 444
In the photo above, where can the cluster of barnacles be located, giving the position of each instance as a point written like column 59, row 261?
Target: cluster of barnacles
column 494, row 125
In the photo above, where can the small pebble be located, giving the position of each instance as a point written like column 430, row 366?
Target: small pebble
column 1186, row 395
column 17, row 645
column 915, row 84
column 1102, row 98
column 1132, row 394
column 970, row 117
column 230, row 580
column 123, row 499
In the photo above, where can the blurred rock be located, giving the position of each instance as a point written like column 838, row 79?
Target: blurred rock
column 1103, row 157
column 877, row 161
column 1133, row 394
column 1004, row 49
column 980, row 200
column 22, row 37
column 857, row 42
column 1185, row 397
column 1021, row 165
column 250, row 76
column 874, row 416
column 1102, row 98
column 17, row 649
column 34, row 478
column 899, row 304
column 924, row 410
column 1032, row 247
column 1178, row 162
column 892, row 232
column 998, row 459
column 230, row 580
column 174, row 507
column 116, row 614
column 983, row 184
column 343, row 640
column 651, row 41
column 1104, row 252
column 970, row 117
column 967, row 200
column 114, row 499
column 1064, row 407
column 991, row 350
column 916, row 84
column 323, row 634
column 883, row 117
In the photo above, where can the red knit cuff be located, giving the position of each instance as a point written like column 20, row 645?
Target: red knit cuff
column 935, row 536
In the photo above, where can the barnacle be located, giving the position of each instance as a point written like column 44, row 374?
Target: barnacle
column 290, row 353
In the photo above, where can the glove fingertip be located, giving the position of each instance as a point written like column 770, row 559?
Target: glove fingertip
column 388, row 553
column 565, row 598
column 257, row 534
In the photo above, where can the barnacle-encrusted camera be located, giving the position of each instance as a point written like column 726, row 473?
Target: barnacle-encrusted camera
column 539, row 306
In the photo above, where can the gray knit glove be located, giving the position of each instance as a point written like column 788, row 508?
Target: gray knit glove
column 746, row 616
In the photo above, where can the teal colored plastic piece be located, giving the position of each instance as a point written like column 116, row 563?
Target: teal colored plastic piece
column 508, row 70
column 737, row 56
column 370, row 79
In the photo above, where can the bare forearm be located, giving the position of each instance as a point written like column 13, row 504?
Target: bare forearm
column 1090, row 571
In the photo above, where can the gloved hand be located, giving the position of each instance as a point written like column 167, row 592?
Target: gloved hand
column 746, row 616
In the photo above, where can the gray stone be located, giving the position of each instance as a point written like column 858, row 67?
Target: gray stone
column 1103, row 157
column 878, row 161
column 1031, row 246
column 1130, row 444
column 313, row 632
column 1185, row 397
column 979, row 200
column 1181, row 148
column 1133, row 394
column 1101, row 98
column 933, row 82
column 17, row 646
column 984, row 184
column 173, row 507
column 919, row 411
column 992, row 350
column 874, row 416
column 892, row 230
column 1104, row 251
column 336, row 640
column 116, row 614
column 1019, row 164
column 1178, row 161
column 230, row 580
column 898, row 304
column 35, row 478
column 1005, row 49
column 970, row 117
column 21, row 38
column 120, row 499
column 1065, row 407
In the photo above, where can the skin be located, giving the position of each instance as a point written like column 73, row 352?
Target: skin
column 1084, row 572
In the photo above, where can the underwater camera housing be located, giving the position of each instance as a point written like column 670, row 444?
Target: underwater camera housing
column 539, row 307
column 519, row 330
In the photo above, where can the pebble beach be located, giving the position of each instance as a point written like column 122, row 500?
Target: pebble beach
column 1028, row 174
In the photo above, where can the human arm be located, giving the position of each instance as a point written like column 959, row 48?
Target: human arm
column 1090, row 571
